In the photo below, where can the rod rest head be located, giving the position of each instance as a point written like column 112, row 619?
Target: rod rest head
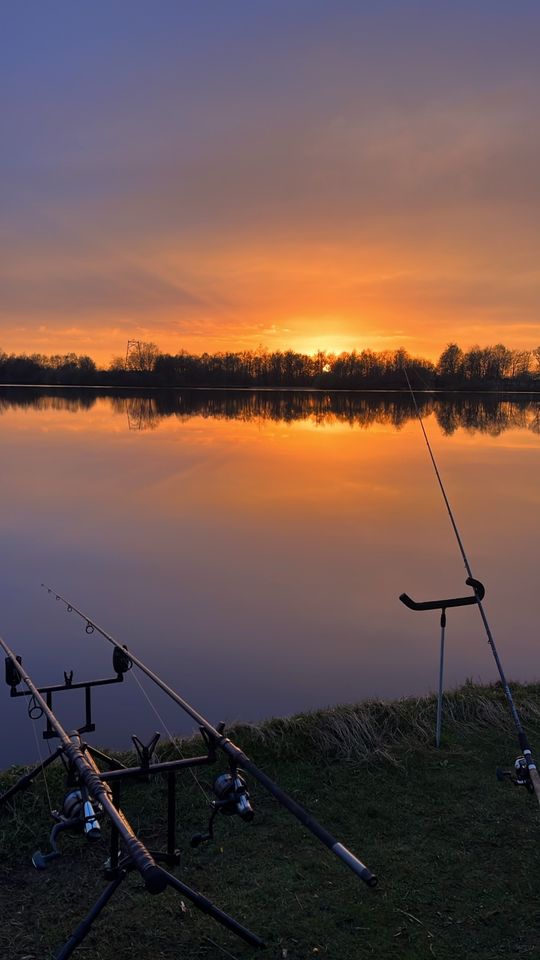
column 145, row 751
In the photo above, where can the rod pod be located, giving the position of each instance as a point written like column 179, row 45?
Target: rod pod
column 137, row 856
column 237, row 757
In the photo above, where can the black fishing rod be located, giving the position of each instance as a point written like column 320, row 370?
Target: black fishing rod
column 90, row 797
column 237, row 757
column 532, row 778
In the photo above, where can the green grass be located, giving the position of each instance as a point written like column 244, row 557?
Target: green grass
column 455, row 851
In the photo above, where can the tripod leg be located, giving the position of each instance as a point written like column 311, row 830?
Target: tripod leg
column 83, row 929
column 202, row 903
column 27, row 778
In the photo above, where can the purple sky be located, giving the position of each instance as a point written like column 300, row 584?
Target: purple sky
column 310, row 174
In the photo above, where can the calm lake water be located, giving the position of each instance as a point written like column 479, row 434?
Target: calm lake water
column 251, row 547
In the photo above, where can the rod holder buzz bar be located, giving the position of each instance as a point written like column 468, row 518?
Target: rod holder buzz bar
column 443, row 605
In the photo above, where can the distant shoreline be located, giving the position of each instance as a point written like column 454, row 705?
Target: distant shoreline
column 486, row 369
column 138, row 387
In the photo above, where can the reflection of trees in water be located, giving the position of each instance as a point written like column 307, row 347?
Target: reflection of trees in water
column 534, row 424
column 141, row 413
column 39, row 398
column 274, row 406
column 485, row 413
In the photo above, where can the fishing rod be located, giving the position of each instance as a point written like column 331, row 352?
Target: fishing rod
column 89, row 798
column 237, row 757
column 526, row 771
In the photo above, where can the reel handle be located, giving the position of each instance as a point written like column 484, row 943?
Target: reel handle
column 41, row 860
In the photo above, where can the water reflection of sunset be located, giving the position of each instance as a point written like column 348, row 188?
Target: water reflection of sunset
column 290, row 539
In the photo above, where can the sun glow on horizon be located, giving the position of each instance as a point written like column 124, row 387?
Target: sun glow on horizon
column 365, row 194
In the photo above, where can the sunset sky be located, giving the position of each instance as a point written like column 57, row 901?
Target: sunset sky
column 220, row 174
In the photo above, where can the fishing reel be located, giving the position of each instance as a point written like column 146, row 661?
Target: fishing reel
column 232, row 796
column 520, row 777
column 79, row 814
column 232, row 799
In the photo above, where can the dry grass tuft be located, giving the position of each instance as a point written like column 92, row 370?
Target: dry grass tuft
column 374, row 728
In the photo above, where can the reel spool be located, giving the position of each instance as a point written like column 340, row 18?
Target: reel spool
column 77, row 814
column 76, row 809
column 232, row 799
column 520, row 777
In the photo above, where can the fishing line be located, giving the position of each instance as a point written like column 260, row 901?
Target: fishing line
column 523, row 741
column 223, row 950
column 171, row 736
column 40, row 759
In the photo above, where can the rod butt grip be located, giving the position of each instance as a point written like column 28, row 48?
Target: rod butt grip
column 155, row 879
column 355, row 864
column 535, row 780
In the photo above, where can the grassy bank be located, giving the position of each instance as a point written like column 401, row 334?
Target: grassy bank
column 454, row 849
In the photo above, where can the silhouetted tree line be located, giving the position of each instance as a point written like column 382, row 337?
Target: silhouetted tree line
column 479, row 367
column 36, row 368
column 144, row 409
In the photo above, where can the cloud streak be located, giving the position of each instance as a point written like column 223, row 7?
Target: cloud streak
column 284, row 172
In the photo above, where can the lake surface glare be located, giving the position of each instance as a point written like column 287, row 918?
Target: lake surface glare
column 251, row 547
